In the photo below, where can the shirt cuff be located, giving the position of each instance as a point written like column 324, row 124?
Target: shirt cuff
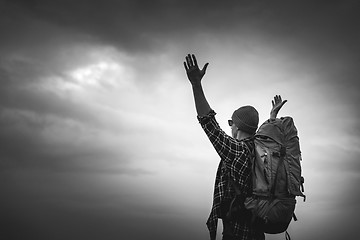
column 206, row 118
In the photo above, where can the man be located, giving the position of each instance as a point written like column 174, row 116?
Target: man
column 233, row 177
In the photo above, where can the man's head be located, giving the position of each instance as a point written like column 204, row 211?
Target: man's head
column 245, row 119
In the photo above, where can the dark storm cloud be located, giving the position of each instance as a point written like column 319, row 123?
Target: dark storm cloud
column 20, row 80
column 24, row 145
column 136, row 24
column 28, row 111
column 321, row 32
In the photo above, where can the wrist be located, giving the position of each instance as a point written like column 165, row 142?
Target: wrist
column 196, row 84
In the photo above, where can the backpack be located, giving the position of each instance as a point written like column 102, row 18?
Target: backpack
column 276, row 174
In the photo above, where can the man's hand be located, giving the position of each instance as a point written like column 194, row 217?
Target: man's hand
column 195, row 75
column 277, row 104
column 193, row 71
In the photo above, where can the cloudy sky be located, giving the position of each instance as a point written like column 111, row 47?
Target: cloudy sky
column 98, row 130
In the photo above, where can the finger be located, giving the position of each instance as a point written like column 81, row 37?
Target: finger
column 205, row 67
column 186, row 67
column 194, row 60
column 188, row 61
column 282, row 104
column 277, row 99
column 273, row 103
column 191, row 63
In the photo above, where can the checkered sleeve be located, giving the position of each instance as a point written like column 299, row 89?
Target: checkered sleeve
column 227, row 147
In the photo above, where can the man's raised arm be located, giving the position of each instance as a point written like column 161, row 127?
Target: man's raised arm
column 195, row 75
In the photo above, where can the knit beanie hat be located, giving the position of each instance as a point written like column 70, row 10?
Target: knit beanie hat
column 246, row 119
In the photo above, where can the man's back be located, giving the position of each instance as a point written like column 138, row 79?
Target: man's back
column 234, row 167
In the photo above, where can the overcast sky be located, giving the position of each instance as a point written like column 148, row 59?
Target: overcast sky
column 98, row 131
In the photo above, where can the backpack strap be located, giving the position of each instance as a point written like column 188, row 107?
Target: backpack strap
column 247, row 142
column 236, row 188
column 294, row 217
column 280, row 154
column 302, row 187
column 287, row 236
column 234, row 204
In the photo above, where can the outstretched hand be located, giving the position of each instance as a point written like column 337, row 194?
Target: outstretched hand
column 277, row 104
column 193, row 71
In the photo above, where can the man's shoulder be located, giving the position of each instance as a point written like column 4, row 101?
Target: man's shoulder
column 247, row 143
column 248, row 146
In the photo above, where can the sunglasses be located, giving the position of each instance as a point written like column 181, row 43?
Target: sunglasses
column 230, row 122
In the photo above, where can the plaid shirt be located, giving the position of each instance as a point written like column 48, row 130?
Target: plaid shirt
column 236, row 164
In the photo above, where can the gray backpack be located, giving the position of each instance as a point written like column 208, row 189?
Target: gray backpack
column 276, row 174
